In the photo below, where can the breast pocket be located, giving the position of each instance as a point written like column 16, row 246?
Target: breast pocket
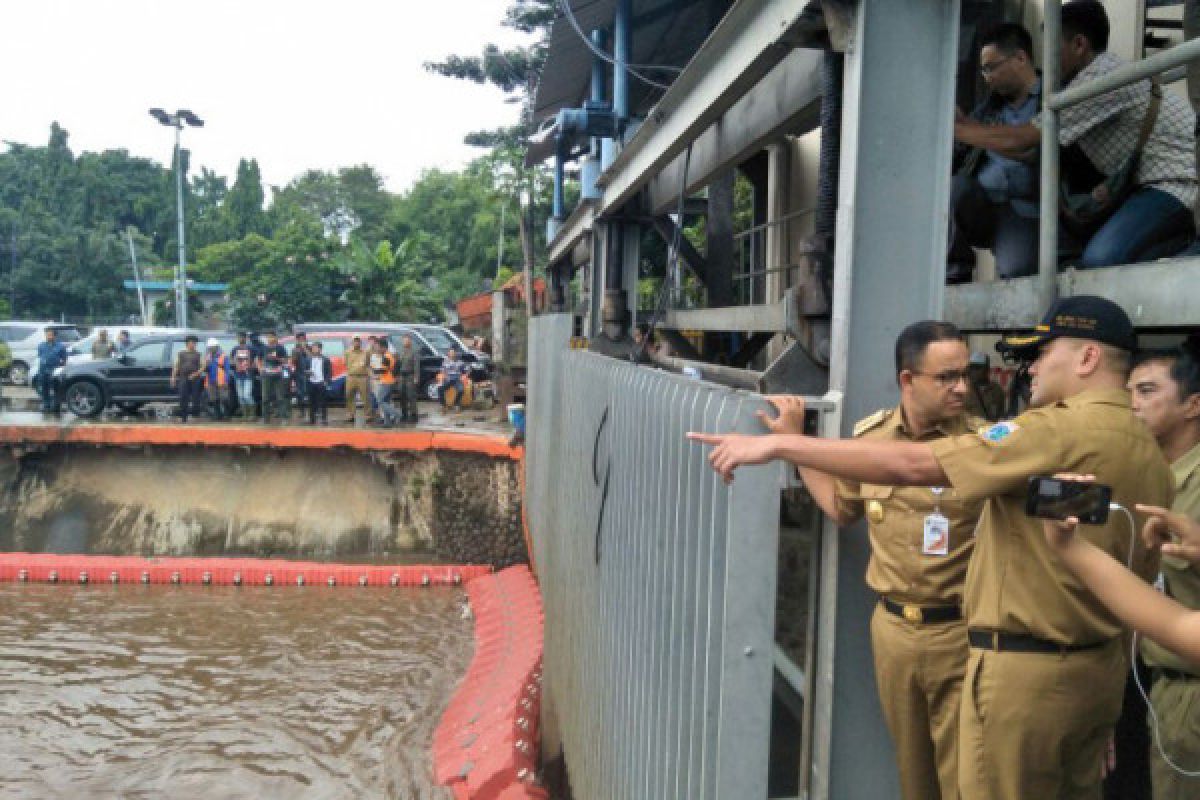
column 875, row 500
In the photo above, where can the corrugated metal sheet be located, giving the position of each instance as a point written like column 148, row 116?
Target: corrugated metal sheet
column 658, row 580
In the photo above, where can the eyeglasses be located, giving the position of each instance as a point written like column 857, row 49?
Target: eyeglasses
column 947, row 378
column 988, row 69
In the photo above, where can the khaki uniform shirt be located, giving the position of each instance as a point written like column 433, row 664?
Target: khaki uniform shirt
column 1015, row 583
column 899, row 569
column 356, row 363
column 1182, row 578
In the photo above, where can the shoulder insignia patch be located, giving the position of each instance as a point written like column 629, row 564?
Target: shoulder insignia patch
column 873, row 421
column 997, row 433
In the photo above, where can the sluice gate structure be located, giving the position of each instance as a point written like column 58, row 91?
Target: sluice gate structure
column 813, row 140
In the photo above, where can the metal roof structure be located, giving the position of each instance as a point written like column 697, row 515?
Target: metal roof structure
column 666, row 33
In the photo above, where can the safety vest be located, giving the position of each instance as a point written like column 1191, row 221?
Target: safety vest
column 222, row 377
column 385, row 372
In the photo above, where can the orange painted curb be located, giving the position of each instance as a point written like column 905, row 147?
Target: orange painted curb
column 280, row 438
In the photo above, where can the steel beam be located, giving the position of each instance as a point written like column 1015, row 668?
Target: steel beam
column 576, row 226
column 1158, row 295
column 666, row 228
column 769, row 318
column 787, row 100
column 751, row 39
column 889, row 266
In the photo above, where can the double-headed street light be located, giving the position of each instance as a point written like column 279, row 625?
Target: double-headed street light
column 177, row 121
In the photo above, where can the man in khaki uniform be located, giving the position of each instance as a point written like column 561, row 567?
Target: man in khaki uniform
column 356, row 378
column 1166, row 394
column 1044, row 680
column 921, row 543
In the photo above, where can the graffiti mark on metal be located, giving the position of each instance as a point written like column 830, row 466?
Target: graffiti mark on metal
column 661, row 652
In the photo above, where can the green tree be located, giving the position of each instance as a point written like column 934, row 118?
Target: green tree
column 243, row 208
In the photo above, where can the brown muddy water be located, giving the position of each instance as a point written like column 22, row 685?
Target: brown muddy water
column 157, row 691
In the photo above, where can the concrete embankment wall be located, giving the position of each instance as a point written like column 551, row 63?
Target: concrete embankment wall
column 378, row 505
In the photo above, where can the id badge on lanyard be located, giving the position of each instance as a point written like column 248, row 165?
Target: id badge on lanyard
column 936, row 540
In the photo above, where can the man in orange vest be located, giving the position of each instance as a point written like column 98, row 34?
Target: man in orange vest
column 383, row 369
column 216, row 378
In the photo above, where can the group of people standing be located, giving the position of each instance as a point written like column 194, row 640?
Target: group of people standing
column 256, row 374
column 1001, row 641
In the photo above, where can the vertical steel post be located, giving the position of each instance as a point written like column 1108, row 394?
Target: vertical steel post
column 1048, row 222
column 181, row 297
column 889, row 271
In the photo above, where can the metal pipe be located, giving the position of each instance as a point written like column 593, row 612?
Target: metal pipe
column 559, row 212
column 181, row 298
column 1048, row 222
column 599, row 85
column 714, row 373
column 1156, row 64
column 622, row 47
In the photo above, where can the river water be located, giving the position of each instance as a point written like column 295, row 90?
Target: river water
column 157, row 691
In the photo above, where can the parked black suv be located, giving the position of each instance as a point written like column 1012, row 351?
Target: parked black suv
column 141, row 375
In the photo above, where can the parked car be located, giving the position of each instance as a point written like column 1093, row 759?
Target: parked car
column 442, row 338
column 428, row 339
column 142, row 374
column 23, row 339
column 82, row 350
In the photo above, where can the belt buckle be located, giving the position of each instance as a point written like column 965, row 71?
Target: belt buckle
column 912, row 613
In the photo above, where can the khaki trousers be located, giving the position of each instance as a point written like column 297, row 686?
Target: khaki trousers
column 357, row 383
column 1177, row 704
column 919, row 669
column 1034, row 725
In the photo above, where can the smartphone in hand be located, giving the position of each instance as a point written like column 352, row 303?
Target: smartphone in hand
column 1054, row 498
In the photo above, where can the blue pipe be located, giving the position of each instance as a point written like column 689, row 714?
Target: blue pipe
column 560, row 156
column 622, row 47
column 599, row 85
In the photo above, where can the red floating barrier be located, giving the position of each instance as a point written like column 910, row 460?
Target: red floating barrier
column 218, row 571
column 486, row 746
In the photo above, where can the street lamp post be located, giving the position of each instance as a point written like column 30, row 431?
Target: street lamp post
column 177, row 121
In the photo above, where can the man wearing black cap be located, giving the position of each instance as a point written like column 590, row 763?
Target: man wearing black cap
column 1044, row 680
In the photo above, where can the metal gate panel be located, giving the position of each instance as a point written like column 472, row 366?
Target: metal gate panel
column 658, row 580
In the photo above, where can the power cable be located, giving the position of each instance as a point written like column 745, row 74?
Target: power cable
column 1133, row 655
column 632, row 69
column 672, row 257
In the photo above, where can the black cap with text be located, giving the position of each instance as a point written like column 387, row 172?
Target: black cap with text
column 1079, row 317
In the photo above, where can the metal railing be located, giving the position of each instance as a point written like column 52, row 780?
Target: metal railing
column 753, row 252
column 1054, row 102
column 658, row 580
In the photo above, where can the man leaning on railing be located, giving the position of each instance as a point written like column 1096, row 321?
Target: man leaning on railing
column 1129, row 166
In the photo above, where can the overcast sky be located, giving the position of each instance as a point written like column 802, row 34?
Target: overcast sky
column 296, row 84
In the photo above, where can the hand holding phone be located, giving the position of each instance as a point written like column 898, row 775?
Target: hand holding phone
column 1060, row 498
